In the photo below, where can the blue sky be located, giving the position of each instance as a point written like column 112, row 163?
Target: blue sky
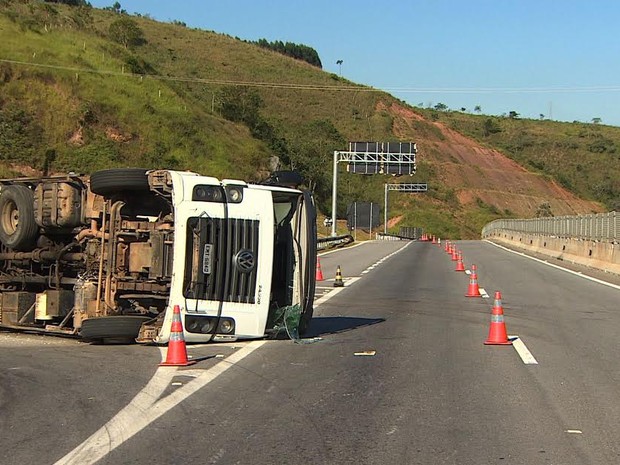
column 549, row 57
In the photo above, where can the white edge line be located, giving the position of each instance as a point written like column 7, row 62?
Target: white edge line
column 337, row 290
column 581, row 275
column 146, row 407
column 523, row 351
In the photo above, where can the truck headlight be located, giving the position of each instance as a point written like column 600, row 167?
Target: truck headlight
column 202, row 324
column 227, row 326
column 234, row 194
column 206, row 193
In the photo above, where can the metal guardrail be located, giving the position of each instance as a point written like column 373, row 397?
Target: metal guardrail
column 597, row 227
column 323, row 243
column 392, row 237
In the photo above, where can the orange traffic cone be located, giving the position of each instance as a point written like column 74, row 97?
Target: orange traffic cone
column 497, row 330
column 459, row 263
column 455, row 255
column 177, row 352
column 434, row 240
column 319, row 272
column 447, row 247
column 338, row 282
column 473, row 290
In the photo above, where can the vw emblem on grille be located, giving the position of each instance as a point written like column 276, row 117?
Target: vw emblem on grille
column 245, row 261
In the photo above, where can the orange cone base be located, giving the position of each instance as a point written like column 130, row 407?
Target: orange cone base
column 177, row 356
column 498, row 335
column 460, row 266
column 178, row 364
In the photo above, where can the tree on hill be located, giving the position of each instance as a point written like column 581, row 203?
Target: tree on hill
column 241, row 105
column 490, row 127
column 70, row 2
column 297, row 51
column 126, row 31
column 544, row 210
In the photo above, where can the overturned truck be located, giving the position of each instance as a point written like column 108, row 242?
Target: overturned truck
column 108, row 256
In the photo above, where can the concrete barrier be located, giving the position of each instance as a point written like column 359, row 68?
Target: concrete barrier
column 602, row 255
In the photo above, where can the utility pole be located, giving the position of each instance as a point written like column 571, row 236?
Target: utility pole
column 550, row 111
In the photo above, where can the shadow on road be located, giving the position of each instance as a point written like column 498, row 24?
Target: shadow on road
column 323, row 325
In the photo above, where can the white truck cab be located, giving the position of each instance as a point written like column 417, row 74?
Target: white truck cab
column 109, row 256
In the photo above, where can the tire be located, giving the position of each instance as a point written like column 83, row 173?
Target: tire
column 112, row 327
column 309, row 274
column 18, row 228
column 113, row 181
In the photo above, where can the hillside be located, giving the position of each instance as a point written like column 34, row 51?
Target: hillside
column 72, row 98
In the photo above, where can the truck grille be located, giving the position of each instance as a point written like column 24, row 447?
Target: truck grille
column 221, row 259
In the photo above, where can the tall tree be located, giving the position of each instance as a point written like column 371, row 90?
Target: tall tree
column 126, row 31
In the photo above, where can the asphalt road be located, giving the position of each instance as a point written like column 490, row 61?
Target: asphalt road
column 423, row 389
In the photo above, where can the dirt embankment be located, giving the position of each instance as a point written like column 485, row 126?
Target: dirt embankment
column 478, row 172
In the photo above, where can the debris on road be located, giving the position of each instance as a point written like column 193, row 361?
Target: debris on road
column 366, row 353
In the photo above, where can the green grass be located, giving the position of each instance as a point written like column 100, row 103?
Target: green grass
column 171, row 116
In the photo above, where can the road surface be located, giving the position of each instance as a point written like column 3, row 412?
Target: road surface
column 394, row 370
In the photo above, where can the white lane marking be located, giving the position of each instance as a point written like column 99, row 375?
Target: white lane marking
column 147, row 407
column 483, row 293
column 573, row 431
column 379, row 262
column 576, row 273
column 523, row 351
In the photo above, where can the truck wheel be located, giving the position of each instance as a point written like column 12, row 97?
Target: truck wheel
column 113, row 181
column 309, row 273
column 121, row 327
column 18, row 228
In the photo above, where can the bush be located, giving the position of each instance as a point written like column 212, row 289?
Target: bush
column 490, row 126
column 126, row 32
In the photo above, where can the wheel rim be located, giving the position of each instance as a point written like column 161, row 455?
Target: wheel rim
column 10, row 218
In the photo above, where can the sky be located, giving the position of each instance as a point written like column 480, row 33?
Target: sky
column 552, row 59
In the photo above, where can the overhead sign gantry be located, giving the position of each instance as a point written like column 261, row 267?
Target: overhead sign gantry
column 400, row 187
column 395, row 158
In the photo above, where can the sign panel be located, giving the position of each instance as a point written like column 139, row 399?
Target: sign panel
column 363, row 215
column 395, row 158
column 399, row 148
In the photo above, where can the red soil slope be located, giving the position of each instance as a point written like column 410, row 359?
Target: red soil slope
column 478, row 172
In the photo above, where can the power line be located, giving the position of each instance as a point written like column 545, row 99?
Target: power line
column 333, row 87
column 197, row 80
